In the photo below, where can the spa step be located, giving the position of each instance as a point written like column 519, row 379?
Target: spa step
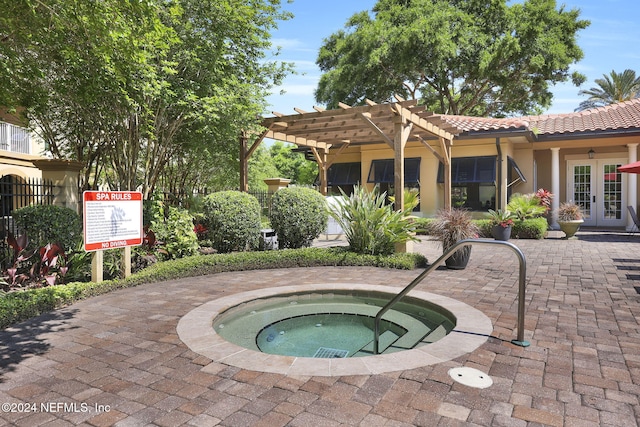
column 386, row 339
column 418, row 337
column 436, row 334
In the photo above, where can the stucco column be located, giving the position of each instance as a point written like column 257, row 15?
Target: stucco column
column 555, row 185
column 632, row 184
column 63, row 174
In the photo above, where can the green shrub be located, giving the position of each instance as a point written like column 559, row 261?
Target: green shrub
column 298, row 215
column 484, row 227
column 50, row 224
column 19, row 306
column 174, row 228
column 534, row 228
column 233, row 220
column 369, row 224
column 422, row 225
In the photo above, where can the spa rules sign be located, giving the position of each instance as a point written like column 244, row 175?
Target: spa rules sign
column 112, row 219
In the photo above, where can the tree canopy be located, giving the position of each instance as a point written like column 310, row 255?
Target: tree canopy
column 140, row 91
column 465, row 57
column 610, row 89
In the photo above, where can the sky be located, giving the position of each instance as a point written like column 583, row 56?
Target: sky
column 611, row 42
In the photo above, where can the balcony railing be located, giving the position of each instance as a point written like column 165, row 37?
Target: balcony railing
column 14, row 138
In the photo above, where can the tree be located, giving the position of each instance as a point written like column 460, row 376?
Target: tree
column 75, row 66
column 293, row 165
column 261, row 167
column 214, row 88
column 465, row 57
column 612, row 88
column 133, row 88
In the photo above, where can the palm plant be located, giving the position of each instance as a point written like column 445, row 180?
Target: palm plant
column 525, row 206
column 612, row 88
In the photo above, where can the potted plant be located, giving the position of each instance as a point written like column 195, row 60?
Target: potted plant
column 501, row 222
column 451, row 226
column 569, row 218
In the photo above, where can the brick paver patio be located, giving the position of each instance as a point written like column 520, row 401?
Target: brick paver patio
column 117, row 360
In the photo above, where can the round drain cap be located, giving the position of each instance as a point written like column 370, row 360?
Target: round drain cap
column 470, row 377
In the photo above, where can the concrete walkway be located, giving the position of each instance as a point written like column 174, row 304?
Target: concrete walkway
column 117, row 359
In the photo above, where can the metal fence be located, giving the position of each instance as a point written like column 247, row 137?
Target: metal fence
column 16, row 193
column 264, row 198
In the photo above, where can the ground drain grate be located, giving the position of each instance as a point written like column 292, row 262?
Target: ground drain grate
column 330, row 353
column 471, row 377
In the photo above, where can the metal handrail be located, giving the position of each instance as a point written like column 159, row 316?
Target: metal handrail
column 467, row 242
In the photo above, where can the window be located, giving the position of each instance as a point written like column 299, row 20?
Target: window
column 343, row 176
column 472, row 182
column 382, row 172
column 515, row 174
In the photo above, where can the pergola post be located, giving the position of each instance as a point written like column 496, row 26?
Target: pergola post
column 401, row 132
column 398, row 165
column 244, row 163
column 446, row 156
column 323, row 166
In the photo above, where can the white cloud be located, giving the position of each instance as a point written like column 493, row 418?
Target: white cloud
column 293, row 45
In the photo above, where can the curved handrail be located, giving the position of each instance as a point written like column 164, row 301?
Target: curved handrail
column 467, row 242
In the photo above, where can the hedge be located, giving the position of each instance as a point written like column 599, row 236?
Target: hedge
column 22, row 305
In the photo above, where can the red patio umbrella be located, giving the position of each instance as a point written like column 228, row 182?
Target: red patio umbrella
column 630, row 168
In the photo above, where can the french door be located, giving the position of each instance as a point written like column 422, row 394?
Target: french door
column 598, row 187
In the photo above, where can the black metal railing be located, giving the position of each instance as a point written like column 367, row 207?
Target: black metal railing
column 16, row 193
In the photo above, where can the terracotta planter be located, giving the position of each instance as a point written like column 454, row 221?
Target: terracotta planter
column 570, row 227
column 501, row 233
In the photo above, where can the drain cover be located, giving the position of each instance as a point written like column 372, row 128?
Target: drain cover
column 470, row 377
column 330, row 353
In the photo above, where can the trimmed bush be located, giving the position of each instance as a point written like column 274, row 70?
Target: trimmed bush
column 298, row 215
column 534, row 228
column 19, row 306
column 233, row 220
column 50, row 224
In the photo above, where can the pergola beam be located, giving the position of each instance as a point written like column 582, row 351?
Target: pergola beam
column 389, row 123
column 430, row 148
column 367, row 119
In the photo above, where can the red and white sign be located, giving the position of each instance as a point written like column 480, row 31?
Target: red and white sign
column 112, row 219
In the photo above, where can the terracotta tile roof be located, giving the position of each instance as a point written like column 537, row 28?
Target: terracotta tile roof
column 620, row 116
column 476, row 124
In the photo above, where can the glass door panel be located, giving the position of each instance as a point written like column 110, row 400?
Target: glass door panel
column 612, row 186
column 583, row 190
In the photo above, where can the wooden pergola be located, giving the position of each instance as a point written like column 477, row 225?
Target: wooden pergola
column 391, row 123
